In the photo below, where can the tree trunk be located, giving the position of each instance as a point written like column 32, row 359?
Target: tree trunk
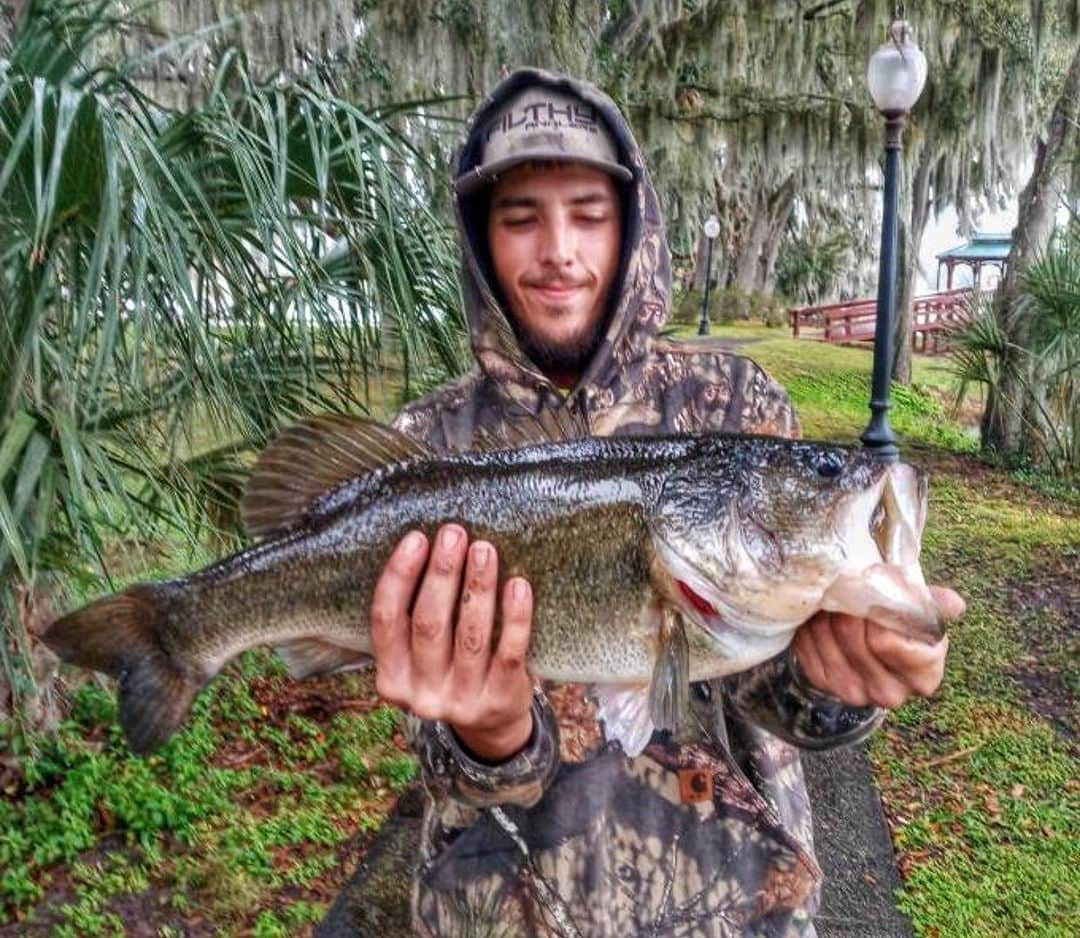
column 756, row 257
column 749, row 257
column 1006, row 404
column 911, row 235
column 11, row 15
column 30, row 698
column 780, row 206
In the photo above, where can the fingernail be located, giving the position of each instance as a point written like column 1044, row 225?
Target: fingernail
column 450, row 538
column 481, row 555
column 414, row 542
column 520, row 590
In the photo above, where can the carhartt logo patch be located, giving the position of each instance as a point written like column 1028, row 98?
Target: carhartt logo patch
column 695, row 785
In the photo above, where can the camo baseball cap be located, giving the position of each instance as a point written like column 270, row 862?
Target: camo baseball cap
column 543, row 124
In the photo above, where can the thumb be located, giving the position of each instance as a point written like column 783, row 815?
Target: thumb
column 950, row 603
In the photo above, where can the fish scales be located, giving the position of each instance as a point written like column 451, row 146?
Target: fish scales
column 319, row 582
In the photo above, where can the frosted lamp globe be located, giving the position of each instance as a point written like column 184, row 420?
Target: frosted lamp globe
column 897, row 71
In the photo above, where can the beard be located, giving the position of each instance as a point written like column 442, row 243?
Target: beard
column 569, row 356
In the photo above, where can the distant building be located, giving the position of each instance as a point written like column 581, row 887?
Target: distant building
column 990, row 249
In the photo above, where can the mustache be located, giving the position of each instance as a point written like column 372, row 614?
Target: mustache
column 556, row 280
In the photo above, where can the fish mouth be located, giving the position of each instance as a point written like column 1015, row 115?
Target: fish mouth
column 899, row 514
column 880, row 529
column 882, row 580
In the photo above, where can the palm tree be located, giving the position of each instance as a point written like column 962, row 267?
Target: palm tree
column 176, row 284
column 1046, row 370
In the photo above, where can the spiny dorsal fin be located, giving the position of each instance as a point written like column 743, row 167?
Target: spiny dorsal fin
column 310, row 459
column 525, row 429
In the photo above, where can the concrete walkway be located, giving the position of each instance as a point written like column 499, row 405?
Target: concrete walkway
column 853, row 848
column 852, row 841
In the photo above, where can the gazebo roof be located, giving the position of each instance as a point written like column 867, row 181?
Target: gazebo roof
column 983, row 246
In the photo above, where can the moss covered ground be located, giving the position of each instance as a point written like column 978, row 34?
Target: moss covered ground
column 250, row 820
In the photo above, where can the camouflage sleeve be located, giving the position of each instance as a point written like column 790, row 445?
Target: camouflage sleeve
column 776, row 696
column 448, row 769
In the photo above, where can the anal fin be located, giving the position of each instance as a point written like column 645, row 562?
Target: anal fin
column 307, row 656
column 624, row 711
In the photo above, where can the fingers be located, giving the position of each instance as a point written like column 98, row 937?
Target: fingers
column 807, row 655
column 839, row 677
column 436, row 604
column 390, row 615
column 472, row 642
column 920, row 666
column 881, row 687
column 866, row 664
column 508, row 663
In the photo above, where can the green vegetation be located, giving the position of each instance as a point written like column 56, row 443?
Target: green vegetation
column 830, row 387
column 176, row 284
column 981, row 786
column 242, row 820
column 1031, row 348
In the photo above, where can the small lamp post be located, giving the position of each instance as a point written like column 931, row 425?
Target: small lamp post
column 712, row 229
column 896, row 75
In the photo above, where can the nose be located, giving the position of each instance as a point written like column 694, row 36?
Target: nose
column 560, row 243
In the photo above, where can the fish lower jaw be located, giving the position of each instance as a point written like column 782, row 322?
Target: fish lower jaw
column 733, row 657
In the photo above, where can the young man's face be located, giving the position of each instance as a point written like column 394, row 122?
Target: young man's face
column 554, row 233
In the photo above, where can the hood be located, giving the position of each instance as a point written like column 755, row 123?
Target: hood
column 641, row 296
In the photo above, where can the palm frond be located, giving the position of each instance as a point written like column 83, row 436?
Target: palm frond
column 174, row 286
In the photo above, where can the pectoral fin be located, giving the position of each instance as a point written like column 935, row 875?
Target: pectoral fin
column 669, row 692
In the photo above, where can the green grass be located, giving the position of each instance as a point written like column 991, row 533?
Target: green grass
column 830, row 388
column 983, row 794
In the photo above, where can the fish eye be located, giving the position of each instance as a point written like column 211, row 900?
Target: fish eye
column 829, row 465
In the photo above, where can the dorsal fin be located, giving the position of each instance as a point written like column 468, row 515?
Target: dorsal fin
column 525, row 429
column 310, row 459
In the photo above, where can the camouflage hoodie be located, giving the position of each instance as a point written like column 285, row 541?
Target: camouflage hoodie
column 705, row 833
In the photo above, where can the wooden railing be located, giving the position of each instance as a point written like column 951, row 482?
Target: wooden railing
column 932, row 318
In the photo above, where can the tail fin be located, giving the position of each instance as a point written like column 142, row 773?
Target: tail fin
column 120, row 636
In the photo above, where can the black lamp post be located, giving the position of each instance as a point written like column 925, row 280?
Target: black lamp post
column 712, row 229
column 896, row 75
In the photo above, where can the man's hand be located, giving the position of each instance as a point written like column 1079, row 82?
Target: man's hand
column 436, row 659
column 866, row 664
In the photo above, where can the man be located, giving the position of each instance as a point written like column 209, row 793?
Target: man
column 537, row 825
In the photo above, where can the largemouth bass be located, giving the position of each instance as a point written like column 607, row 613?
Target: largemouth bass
column 655, row 561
